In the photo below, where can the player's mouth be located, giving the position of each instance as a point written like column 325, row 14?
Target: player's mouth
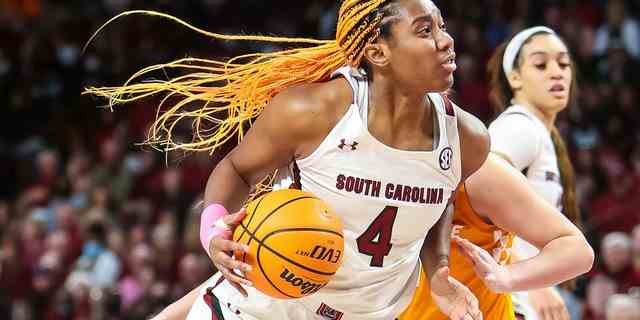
column 449, row 63
column 558, row 90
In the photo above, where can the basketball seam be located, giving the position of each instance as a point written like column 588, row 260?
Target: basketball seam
column 285, row 258
column 262, row 244
column 265, row 274
column 267, row 216
column 244, row 255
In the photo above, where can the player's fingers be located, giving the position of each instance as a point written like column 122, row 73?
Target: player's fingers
column 238, row 287
column 457, row 314
column 479, row 265
column 221, row 244
column 477, row 252
column 223, row 259
column 544, row 314
column 559, row 312
column 442, row 274
column 477, row 315
column 440, row 282
column 233, row 277
column 473, row 301
column 470, row 248
column 465, row 252
column 234, row 219
column 554, row 314
column 564, row 313
column 486, row 256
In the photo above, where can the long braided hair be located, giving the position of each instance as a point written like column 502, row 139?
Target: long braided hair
column 222, row 98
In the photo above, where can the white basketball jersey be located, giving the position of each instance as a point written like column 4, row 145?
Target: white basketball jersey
column 388, row 200
column 520, row 135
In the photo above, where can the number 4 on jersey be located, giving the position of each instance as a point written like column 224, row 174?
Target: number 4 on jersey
column 376, row 240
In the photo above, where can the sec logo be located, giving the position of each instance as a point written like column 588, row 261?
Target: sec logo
column 445, row 158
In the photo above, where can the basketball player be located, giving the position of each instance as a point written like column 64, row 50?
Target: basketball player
column 484, row 192
column 365, row 107
column 565, row 253
column 530, row 86
column 534, row 73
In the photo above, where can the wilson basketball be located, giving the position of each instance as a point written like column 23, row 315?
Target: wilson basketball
column 295, row 242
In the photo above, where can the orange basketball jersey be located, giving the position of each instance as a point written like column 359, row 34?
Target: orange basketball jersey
column 469, row 225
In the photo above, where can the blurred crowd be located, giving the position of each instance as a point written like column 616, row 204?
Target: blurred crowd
column 95, row 225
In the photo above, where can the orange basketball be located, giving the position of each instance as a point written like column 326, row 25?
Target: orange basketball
column 295, row 242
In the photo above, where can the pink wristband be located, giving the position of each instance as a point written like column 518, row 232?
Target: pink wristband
column 208, row 227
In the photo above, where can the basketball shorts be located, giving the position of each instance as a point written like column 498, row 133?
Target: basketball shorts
column 218, row 300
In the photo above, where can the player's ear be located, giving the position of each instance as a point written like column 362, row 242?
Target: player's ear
column 377, row 54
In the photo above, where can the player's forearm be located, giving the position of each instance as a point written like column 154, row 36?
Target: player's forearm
column 226, row 187
column 560, row 260
column 437, row 245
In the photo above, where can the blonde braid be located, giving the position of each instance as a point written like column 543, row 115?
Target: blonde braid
column 240, row 87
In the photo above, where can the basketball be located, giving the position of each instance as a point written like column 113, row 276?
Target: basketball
column 295, row 242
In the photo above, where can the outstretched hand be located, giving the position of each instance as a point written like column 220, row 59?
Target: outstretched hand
column 495, row 276
column 453, row 298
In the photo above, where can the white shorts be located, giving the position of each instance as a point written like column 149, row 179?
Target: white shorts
column 224, row 302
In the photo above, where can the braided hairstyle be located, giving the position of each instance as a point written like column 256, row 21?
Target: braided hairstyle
column 222, row 98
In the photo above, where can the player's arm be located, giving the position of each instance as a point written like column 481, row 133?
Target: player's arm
column 502, row 194
column 451, row 296
column 289, row 121
column 288, row 124
column 474, row 146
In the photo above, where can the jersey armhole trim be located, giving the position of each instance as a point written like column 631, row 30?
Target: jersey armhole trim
column 448, row 106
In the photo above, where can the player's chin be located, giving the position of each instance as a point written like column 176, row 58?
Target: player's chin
column 557, row 103
column 444, row 84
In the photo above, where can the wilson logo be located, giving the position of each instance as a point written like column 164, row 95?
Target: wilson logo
column 306, row 287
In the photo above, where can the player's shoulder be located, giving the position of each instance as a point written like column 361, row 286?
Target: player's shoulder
column 471, row 126
column 314, row 101
column 475, row 142
column 516, row 120
column 307, row 111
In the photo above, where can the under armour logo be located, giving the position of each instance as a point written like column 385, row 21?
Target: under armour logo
column 343, row 143
column 328, row 313
column 445, row 158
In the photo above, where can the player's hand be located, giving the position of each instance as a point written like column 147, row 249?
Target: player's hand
column 548, row 304
column 495, row 276
column 222, row 248
column 453, row 298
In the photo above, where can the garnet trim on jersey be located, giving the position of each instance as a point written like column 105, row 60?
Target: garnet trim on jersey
column 297, row 184
column 448, row 106
column 214, row 304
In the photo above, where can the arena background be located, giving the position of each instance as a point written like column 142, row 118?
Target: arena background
column 94, row 226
